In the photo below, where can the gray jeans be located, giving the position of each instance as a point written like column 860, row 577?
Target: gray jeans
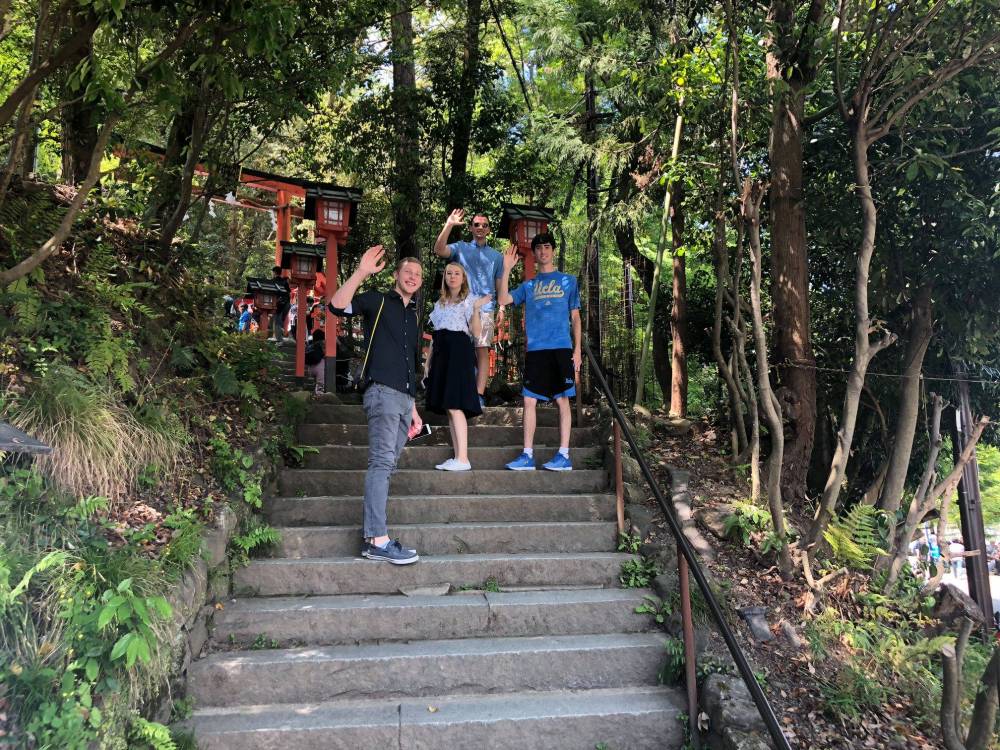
column 389, row 415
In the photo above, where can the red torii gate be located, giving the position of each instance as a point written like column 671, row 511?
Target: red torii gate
column 333, row 207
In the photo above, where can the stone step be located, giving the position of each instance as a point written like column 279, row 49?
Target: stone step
column 492, row 415
column 429, row 456
column 355, row 575
column 632, row 718
column 454, row 538
column 479, row 435
column 329, row 620
column 416, row 482
column 426, row 668
column 346, row 510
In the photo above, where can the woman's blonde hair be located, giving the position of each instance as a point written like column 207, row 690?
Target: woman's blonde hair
column 462, row 293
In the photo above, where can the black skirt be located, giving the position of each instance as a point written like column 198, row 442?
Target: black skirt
column 451, row 383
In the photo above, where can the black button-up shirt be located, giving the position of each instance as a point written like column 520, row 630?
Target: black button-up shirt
column 392, row 360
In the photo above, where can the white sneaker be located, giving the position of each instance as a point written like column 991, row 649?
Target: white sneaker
column 453, row 464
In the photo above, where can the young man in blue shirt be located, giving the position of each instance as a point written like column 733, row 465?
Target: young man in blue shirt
column 552, row 326
column 484, row 267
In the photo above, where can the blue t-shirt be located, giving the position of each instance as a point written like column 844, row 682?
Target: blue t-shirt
column 484, row 265
column 548, row 299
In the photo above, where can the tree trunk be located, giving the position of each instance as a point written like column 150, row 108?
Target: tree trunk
column 79, row 126
column 753, row 193
column 792, row 341
column 464, row 107
column 172, row 195
column 37, row 74
column 678, row 311
column 864, row 349
column 406, row 207
column 908, row 409
column 54, row 242
column 720, row 253
column 625, row 239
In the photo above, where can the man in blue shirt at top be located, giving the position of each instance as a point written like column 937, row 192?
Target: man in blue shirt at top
column 484, row 267
column 551, row 313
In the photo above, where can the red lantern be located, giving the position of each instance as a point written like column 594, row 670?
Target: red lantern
column 302, row 260
column 520, row 224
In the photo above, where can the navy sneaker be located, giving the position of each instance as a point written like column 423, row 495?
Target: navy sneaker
column 393, row 552
column 559, row 462
column 524, row 462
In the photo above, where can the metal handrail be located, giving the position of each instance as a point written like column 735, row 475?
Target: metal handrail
column 689, row 556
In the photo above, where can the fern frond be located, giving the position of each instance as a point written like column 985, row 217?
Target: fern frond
column 856, row 539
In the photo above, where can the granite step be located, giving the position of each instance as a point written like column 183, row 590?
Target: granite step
column 426, row 668
column 305, row 482
column 355, row 575
column 546, row 416
column 406, row 509
column 452, row 538
column 632, row 718
column 284, row 622
column 429, row 456
column 479, row 435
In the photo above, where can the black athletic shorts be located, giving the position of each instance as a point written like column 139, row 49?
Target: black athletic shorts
column 548, row 374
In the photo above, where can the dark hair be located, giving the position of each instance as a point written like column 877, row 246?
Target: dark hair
column 276, row 269
column 318, row 335
column 543, row 238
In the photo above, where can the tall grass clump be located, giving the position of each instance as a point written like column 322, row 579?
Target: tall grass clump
column 99, row 445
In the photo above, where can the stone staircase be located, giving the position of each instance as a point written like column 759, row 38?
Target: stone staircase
column 534, row 646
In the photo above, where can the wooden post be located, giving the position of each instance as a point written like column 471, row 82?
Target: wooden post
column 970, row 501
column 300, row 334
column 332, row 321
column 283, row 216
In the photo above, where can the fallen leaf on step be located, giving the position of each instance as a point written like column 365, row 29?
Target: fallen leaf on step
column 432, row 709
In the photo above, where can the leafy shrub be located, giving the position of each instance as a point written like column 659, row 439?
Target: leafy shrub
column 747, row 522
column 638, row 573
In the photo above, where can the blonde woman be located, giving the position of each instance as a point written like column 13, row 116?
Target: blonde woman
column 450, row 370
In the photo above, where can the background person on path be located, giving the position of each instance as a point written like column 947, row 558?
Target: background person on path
column 551, row 311
column 283, row 304
column 392, row 344
column 484, row 265
column 450, row 370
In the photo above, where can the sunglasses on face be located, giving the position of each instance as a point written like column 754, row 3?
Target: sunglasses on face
column 480, row 224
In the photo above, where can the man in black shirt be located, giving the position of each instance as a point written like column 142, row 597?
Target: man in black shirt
column 393, row 340
column 283, row 304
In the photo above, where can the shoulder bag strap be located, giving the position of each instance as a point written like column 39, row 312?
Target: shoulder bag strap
column 364, row 365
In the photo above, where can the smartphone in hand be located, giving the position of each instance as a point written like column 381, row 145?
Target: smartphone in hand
column 415, row 434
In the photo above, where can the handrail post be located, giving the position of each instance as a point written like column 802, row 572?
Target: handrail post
column 690, row 656
column 619, row 482
column 685, row 550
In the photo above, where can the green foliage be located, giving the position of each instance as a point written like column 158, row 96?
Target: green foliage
column 234, row 470
column 492, row 585
column 653, row 605
column 255, row 538
column 629, row 542
column 80, row 623
column 148, row 735
column 747, row 522
column 673, row 667
column 100, row 445
column 857, row 538
column 638, row 573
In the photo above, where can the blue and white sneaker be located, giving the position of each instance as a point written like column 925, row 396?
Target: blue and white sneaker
column 559, row 462
column 524, row 462
column 393, row 552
